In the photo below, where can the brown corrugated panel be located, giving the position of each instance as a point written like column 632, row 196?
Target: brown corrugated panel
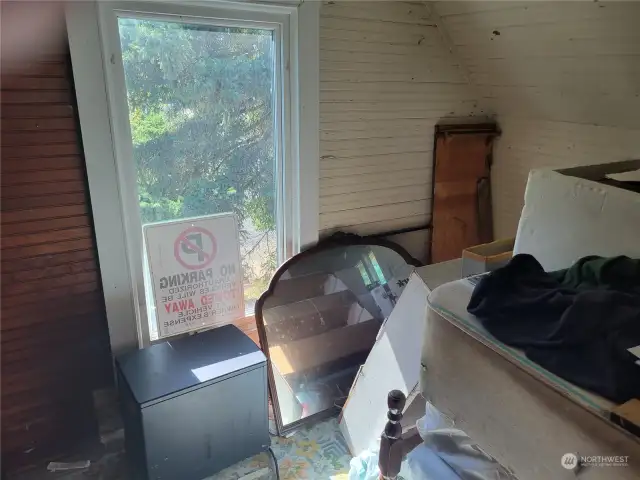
column 54, row 337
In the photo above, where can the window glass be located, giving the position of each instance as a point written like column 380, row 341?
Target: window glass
column 201, row 107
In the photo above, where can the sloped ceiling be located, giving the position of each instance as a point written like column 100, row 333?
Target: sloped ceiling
column 573, row 62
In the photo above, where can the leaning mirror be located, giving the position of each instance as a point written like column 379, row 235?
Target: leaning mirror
column 319, row 319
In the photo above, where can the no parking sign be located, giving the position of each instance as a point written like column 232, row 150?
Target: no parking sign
column 195, row 272
column 190, row 249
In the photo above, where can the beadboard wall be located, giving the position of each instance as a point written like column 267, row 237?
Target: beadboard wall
column 563, row 77
column 564, row 61
column 55, row 341
column 528, row 144
column 386, row 78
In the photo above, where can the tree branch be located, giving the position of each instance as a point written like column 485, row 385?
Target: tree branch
column 255, row 246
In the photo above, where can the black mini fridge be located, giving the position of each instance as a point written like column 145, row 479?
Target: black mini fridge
column 193, row 406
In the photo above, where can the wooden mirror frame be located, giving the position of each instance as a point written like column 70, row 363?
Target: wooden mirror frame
column 339, row 239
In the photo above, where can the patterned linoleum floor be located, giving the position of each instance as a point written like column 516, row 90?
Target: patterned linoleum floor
column 316, row 452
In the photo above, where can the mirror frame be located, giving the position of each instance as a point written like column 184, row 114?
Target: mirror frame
column 339, row 239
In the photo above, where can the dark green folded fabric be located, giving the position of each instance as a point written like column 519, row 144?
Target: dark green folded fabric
column 577, row 323
column 620, row 273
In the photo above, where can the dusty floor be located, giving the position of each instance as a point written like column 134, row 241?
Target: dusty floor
column 316, row 452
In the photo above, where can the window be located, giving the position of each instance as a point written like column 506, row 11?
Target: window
column 204, row 130
column 208, row 114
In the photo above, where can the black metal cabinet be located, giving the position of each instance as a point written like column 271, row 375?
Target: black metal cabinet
column 193, row 406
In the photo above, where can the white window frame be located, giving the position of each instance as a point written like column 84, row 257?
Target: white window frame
column 94, row 44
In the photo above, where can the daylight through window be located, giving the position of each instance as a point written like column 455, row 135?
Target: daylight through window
column 202, row 108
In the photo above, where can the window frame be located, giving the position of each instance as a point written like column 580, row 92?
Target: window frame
column 104, row 121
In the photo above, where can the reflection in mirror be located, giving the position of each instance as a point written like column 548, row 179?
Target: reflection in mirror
column 319, row 322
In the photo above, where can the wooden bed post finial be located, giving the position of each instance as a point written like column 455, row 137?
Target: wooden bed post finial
column 391, row 459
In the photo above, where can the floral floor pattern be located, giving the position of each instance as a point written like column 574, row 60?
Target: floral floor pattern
column 316, row 452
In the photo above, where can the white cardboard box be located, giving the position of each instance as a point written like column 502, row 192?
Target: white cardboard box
column 569, row 214
column 394, row 361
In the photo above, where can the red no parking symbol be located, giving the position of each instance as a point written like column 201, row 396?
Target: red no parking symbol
column 195, row 248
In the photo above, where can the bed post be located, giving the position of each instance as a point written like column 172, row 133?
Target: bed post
column 391, row 458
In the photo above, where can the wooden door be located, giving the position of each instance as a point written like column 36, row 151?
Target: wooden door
column 462, row 194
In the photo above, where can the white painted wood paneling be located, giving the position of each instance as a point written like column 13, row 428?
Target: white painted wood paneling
column 563, row 78
column 386, row 78
column 528, row 144
column 564, row 61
